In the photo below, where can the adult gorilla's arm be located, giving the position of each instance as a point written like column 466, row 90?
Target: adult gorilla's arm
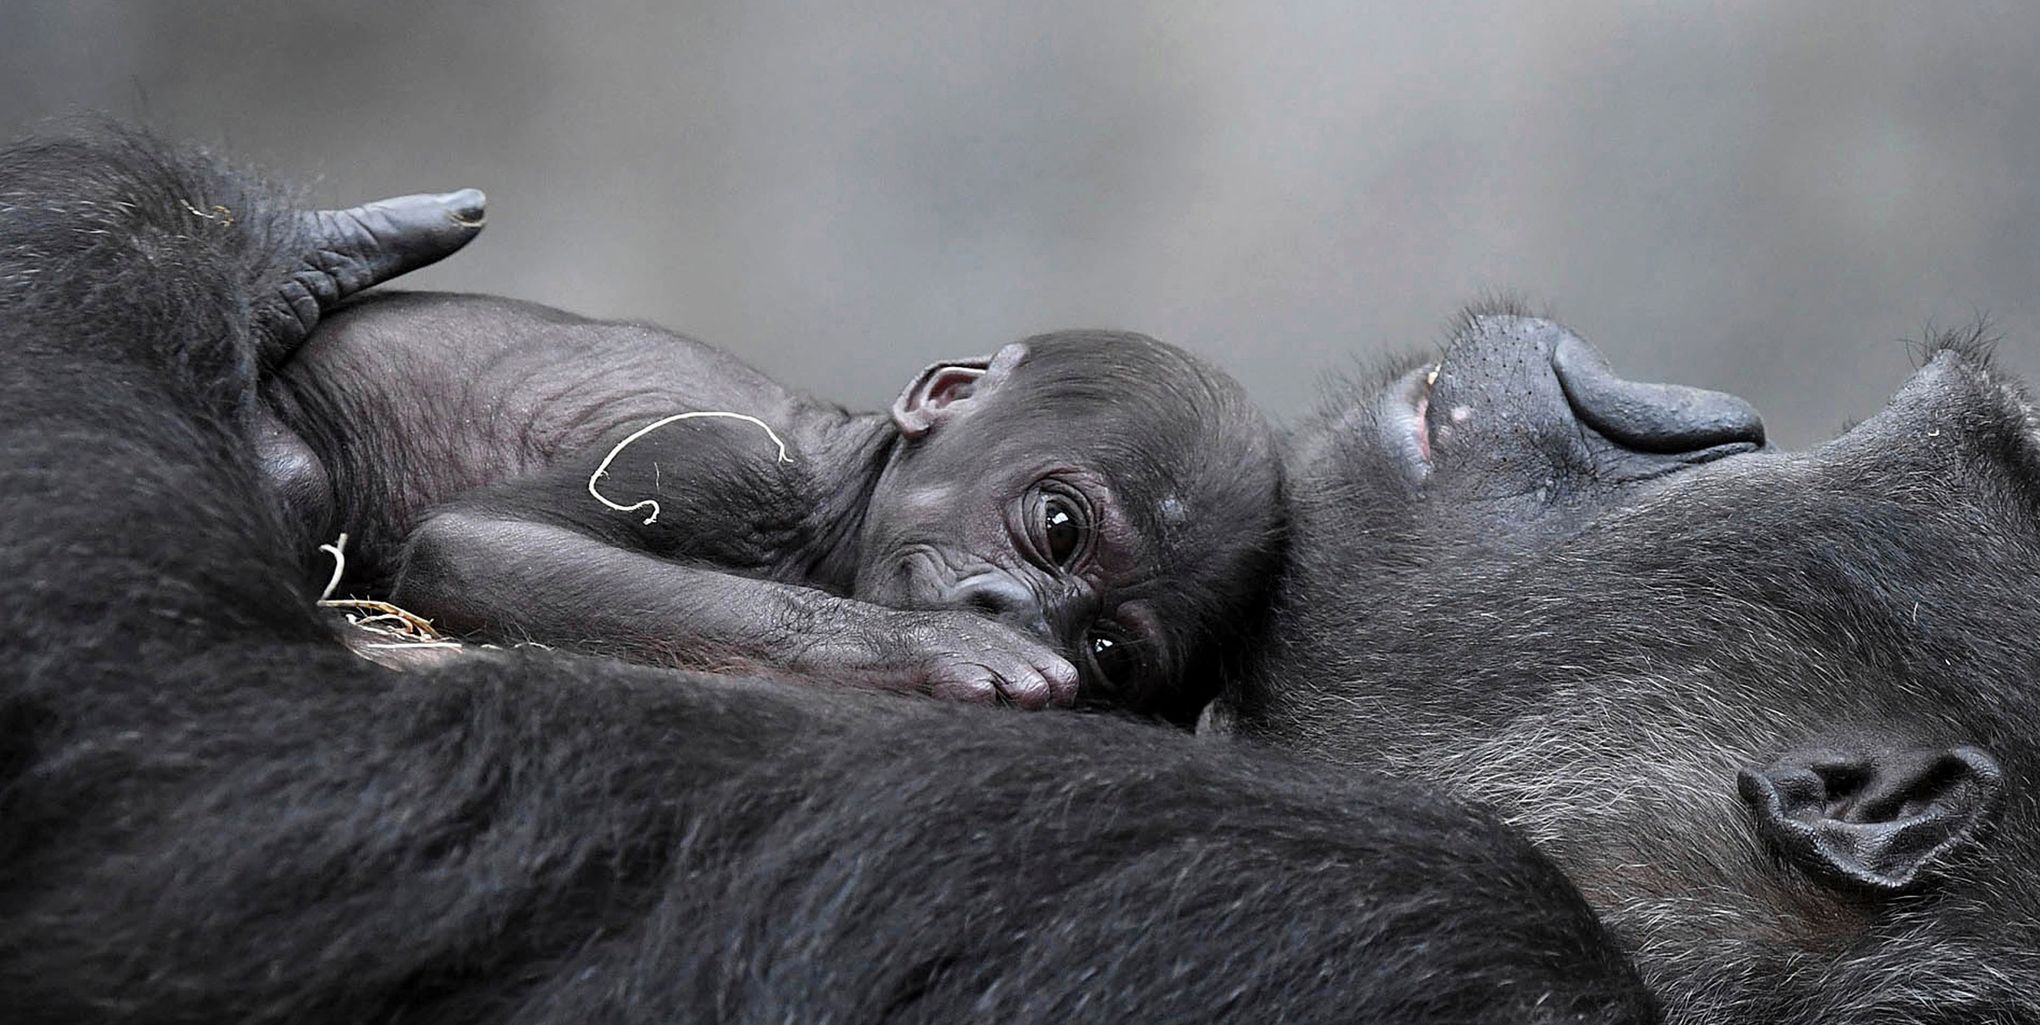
column 208, row 809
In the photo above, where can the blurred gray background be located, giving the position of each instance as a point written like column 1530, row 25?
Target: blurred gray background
column 1766, row 197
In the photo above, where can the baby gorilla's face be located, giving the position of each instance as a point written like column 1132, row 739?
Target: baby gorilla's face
column 1041, row 545
column 1104, row 493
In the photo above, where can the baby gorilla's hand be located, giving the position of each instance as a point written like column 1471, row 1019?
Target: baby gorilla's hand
column 963, row 656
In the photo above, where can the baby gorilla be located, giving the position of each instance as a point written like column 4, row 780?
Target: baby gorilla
column 1084, row 516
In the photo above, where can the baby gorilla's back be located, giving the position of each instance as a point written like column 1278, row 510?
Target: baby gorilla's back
column 408, row 400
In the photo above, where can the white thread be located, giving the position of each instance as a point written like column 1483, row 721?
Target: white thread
column 603, row 470
column 338, row 551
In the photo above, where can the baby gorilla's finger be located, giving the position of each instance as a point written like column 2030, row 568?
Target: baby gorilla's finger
column 1024, row 686
column 1062, row 678
column 966, row 682
column 363, row 246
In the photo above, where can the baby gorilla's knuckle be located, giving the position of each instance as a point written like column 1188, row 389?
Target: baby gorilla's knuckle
column 1062, row 681
column 1027, row 690
column 965, row 681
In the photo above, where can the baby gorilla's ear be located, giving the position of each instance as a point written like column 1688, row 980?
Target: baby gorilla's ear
column 1883, row 820
column 946, row 391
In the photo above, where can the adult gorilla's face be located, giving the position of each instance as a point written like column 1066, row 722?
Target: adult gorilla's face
column 1778, row 714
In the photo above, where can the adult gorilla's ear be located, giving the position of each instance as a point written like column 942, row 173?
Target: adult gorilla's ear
column 946, row 391
column 1882, row 820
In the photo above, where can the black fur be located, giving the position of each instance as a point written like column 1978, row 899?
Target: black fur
column 211, row 811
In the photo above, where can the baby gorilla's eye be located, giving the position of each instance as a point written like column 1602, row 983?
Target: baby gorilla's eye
column 1062, row 530
column 1115, row 660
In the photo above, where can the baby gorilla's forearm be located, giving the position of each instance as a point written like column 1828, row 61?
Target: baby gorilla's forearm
column 479, row 572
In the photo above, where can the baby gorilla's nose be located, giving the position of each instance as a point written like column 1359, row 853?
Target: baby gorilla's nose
column 1666, row 419
column 1001, row 597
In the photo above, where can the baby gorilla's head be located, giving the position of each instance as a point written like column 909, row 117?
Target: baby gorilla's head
column 1102, row 491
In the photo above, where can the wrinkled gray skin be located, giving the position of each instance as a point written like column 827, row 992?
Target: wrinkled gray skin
column 1774, row 712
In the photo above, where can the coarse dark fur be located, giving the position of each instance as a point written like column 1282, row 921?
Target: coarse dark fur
column 211, row 811
column 1774, row 712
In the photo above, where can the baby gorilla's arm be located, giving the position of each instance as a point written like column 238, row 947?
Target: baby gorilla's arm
column 472, row 568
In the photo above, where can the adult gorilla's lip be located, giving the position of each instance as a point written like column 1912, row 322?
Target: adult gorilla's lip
column 1666, row 419
column 1521, row 406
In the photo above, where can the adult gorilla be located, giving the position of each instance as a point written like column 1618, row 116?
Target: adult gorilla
column 211, row 811
column 1775, row 713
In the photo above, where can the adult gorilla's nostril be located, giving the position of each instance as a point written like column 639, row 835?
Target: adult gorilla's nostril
column 1662, row 418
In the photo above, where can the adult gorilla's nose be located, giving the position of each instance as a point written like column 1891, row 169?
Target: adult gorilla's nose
column 1657, row 418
